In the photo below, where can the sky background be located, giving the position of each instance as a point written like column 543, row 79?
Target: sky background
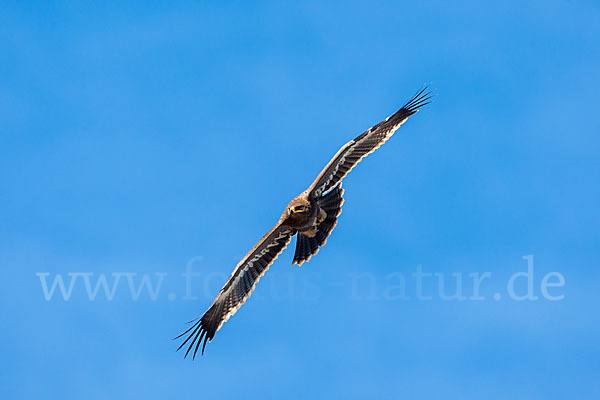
column 144, row 137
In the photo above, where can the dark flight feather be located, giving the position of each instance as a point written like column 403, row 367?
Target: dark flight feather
column 238, row 288
column 355, row 150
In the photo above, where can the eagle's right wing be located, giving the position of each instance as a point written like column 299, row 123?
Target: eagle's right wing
column 239, row 286
column 355, row 150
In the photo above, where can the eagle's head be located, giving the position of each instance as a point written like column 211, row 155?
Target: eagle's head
column 298, row 211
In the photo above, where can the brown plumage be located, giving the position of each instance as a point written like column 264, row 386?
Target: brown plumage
column 312, row 216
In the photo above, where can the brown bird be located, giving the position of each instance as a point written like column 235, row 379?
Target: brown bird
column 312, row 216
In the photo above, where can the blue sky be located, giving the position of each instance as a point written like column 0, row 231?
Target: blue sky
column 137, row 139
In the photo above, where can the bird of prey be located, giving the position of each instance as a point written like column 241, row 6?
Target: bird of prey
column 311, row 216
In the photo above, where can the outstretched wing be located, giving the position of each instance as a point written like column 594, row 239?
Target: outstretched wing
column 355, row 150
column 238, row 287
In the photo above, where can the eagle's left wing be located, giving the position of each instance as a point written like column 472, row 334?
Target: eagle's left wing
column 355, row 150
column 238, row 287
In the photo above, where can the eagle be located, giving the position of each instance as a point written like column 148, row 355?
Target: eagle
column 311, row 216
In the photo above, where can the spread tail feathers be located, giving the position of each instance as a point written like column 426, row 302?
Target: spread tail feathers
column 307, row 246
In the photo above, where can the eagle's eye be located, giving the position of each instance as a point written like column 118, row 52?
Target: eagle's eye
column 297, row 209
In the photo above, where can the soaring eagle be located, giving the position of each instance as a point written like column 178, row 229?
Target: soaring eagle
column 312, row 216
